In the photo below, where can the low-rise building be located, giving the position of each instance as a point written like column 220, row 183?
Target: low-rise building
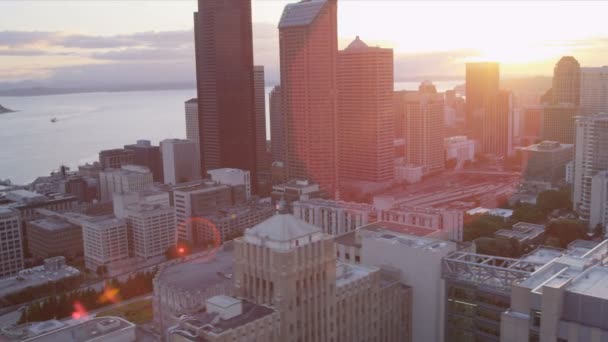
column 525, row 233
column 296, row 190
column 334, row 217
column 151, row 229
column 54, row 236
column 449, row 221
column 105, row 240
column 230, row 222
column 11, row 246
column 181, row 161
column 96, row 329
column 546, row 161
column 51, row 271
column 228, row 319
column 232, row 177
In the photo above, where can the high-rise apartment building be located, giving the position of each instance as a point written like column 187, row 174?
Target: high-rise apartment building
column 263, row 164
column 145, row 154
column 482, row 82
column 590, row 157
column 497, row 125
column 114, row 159
column 192, row 127
column 180, row 161
column 424, row 126
column 151, row 229
column 594, row 90
column 365, row 113
column 558, row 122
column 277, row 125
column 308, row 90
column 225, row 85
column 566, row 81
column 598, row 211
column 11, row 246
column 126, row 179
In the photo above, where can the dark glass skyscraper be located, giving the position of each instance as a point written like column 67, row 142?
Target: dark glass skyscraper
column 224, row 76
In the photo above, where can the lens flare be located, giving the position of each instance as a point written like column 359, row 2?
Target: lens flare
column 79, row 311
column 109, row 295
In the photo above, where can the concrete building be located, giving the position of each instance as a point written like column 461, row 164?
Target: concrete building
column 567, row 81
column 262, row 160
column 105, row 240
column 459, row 148
column 409, row 173
column 225, row 86
column 449, row 222
column 128, row 178
column 558, row 123
column 365, row 114
column 54, row 236
column 51, row 271
column 546, row 161
column 296, row 190
column 151, row 228
column 199, row 199
column 96, row 329
column 230, row 222
column 183, row 287
column 233, row 177
column 11, row 245
column 424, row 129
column 309, row 91
column 192, row 125
column 291, row 265
column 530, row 124
column 334, row 217
column 115, row 159
column 598, row 211
column 563, row 301
column 277, row 125
column 404, row 252
column 594, row 90
column 181, row 163
column 482, row 82
column 570, row 172
column 590, row 157
column 525, row 233
column 148, row 155
column 151, row 196
column 228, row 319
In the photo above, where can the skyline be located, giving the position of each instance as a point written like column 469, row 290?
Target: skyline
column 161, row 38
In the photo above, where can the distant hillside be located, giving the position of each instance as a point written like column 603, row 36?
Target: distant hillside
column 4, row 110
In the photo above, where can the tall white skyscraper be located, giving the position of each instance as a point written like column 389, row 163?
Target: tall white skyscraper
column 594, row 90
column 591, row 157
column 192, row 128
column 181, row 161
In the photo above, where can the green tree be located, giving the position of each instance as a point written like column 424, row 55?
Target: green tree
column 482, row 226
column 566, row 231
column 550, row 200
column 528, row 213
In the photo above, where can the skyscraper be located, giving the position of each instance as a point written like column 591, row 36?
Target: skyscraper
column 277, row 125
column 497, row 132
column 224, row 74
column 566, row 81
column 594, row 90
column 192, row 127
column 308, row 41
column 180, row 161
column 145, row 154
column 481, row 90
column 365, row 113
column 558, row 122
column 263, row 164
column 424, row 127
column 591, row 157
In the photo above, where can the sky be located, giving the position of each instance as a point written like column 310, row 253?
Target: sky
column 140, row 41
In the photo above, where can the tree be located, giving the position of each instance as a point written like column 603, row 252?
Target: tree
column 566, row 231
column 508, row 248
column 550, row 200
column 528, row 213
column 482, row 226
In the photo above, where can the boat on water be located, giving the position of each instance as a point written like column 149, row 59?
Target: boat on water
column 53, row 120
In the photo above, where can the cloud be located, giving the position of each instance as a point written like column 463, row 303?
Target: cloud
column 24, row 52
column 23, row 38
column 151, row 39
column 145, row 54
column 437, row 64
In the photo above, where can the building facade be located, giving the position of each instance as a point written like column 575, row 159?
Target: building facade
column 277, row 125
column 11, row 246
column 497, row 125
column 567, row 81
column 263, row 163
column 590, row 157
column 145, row 154
column 151, row 229
column 308, row 90
column 546, row 161
column 594, row 90
column 115, row 159
column 180, row 161
column 192, row 126
column 225, row 85
column 54, row 236
column 105, row 240
column 126, row 179
column 459, row 148
column 482, row 82
column 365, row 113
column 334, row 217
column 558, row 123
column 233, row 177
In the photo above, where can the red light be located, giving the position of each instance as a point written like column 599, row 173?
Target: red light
column 181, row 250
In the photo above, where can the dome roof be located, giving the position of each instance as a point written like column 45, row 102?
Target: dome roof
column 282, row 228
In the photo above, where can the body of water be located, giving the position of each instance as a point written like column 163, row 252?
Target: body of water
column 31, row 145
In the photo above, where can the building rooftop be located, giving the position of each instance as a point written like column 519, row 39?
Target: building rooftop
column 199, row 272
column 357, row 44
column 336, row 204
column 7, row 212
column 348, row 239
column 400, row 228
column 197, row 325
column 95, row 329
column 282, row 228
column 193, row 100
column 349, row 273
column 53, row 223
column 302, row 13
column 35, row 276
column 548, row 146
column 593, row 283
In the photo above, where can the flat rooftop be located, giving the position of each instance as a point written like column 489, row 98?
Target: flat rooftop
column 92, row 330
column 198, row 273
column 336, row 204
column 593, row 283
column 35, row 276
column 399, row 228
column 53, row 223
column 348, row 273
column 348, row 239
